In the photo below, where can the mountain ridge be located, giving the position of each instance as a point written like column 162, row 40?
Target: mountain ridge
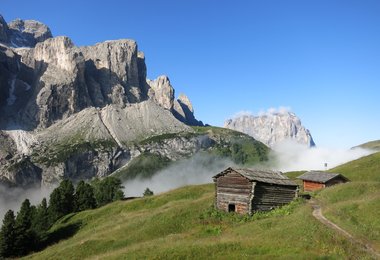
column 272, row 127
column 81, row 112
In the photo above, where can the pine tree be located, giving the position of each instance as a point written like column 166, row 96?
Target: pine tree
column 147, row 192
column 84, row 197
column 108, row 190
column 8, row 235
column 40, row 221
column 61, row 201
column 25, row 236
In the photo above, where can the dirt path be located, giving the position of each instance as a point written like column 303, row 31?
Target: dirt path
column 317, row 213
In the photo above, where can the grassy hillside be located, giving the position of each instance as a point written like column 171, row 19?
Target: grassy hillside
column 366, row 168
column 355, row 206
column 181, row 224
column 374, row 145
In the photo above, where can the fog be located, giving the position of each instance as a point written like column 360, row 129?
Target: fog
column 11, row 198
column 198, row 169
column 287, row 156
column 292, row 156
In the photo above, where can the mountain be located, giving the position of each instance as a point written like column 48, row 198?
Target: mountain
column 183, row 224
column 83, row 112
column 272, row 127
column 23, row 33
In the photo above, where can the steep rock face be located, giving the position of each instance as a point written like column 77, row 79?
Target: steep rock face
column 272, row 128
column 162, row 92
column 59, row 89
column 77, row 112
column 184, row 112
column 112, row 73
column 3, row 30
column 27, row 33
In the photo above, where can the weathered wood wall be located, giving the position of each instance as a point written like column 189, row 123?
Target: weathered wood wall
column 337, row 180
column 312, row 186
column 233, row 188
column 269, row 196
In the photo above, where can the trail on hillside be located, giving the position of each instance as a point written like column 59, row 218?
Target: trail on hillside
column 317, row 213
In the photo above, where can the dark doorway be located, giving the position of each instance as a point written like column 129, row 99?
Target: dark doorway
column 231, row 207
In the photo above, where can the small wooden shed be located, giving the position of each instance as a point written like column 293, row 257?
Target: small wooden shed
column 316, row 180
column 246, row 190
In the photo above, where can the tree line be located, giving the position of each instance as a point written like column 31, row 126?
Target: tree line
column 28, row 230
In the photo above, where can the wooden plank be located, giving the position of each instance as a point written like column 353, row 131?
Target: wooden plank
column 268, row 196
column 312, row 186
column 234, row 191
column 240, row 181
column 229, row 197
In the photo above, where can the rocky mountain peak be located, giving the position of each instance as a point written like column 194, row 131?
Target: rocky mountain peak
column 185, row 101
column 272, row 127
column 162, row 91
column 27, row 33
column 3, row 30
column 58, row 52
column 183, row 110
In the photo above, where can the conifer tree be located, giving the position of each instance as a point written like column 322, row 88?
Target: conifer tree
column 147, row 192
column 25, row 236
column 8, row 235
column 40, row 222
column 61, row 201
column 84, row 197
column 108, row 190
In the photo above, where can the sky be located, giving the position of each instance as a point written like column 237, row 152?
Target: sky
column 321, row 58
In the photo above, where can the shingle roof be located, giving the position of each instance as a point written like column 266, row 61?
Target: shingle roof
column 265, row 176
column 321, row 177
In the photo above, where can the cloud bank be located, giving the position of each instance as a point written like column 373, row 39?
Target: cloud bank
column 198, row 169
column 267, row 112
column 11, row 198
column 292, row 156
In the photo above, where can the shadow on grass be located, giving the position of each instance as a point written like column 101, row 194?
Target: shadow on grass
column 61, row 233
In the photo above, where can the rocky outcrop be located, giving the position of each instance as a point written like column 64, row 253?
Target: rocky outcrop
column 272, row 128
column 3, row 30
column 23, row 33
column 162, row 92
column 184, row 112
column 112, row 73
column 27, row 33
column 76, row 111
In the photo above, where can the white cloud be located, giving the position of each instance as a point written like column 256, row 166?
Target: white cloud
column 198, row 169
column 267, row 112
column 292, row 156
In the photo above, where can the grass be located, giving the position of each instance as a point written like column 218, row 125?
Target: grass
column 355, row 206
column 181, row 224
column 374, row 145
column 363, row 169
column 144, row 166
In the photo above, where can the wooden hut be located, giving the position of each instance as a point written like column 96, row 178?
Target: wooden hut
column 246, row 190
column 315, row 180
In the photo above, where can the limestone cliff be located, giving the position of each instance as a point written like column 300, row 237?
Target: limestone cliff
column 272, row 128
column 93, row 101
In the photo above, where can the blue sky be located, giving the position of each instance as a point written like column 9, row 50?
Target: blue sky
column 321, row 58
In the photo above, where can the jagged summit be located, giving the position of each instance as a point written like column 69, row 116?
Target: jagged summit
column 53, row 92
column 272, row 127
column 57, row 79
column 23, row 33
